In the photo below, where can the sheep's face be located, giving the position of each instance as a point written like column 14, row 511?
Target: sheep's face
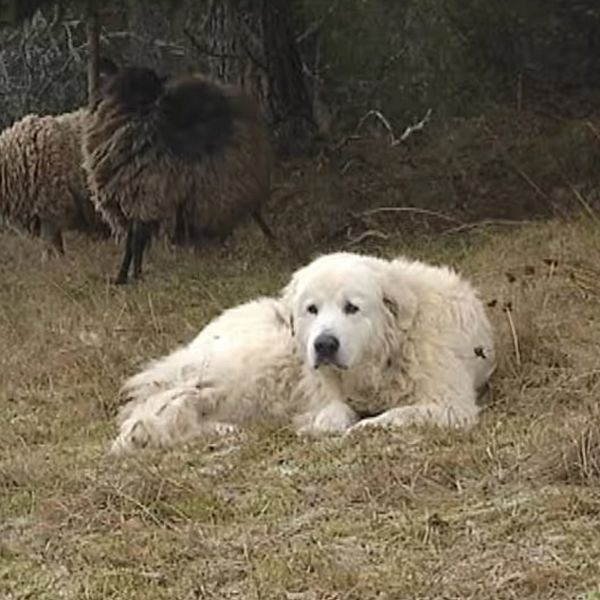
column 133, row 89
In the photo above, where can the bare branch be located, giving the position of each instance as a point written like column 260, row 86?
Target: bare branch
column 316, row 25
column 386, row 124
column 410, row 209
column 487, row 223
column 416, row 127
column 371, row 233
column 203, row 49
column 53, row 77
column 394, row 141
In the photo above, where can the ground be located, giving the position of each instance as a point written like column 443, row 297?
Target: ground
column 508, row 510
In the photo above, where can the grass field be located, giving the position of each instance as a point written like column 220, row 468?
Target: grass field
column 509, row 510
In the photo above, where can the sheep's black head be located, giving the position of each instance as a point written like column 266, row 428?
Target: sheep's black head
column 196, row 117
column 133, row 89
column 107, row 67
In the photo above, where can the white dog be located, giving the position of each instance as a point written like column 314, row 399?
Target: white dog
column 353, row 341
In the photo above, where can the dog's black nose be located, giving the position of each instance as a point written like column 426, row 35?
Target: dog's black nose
column 326, row 346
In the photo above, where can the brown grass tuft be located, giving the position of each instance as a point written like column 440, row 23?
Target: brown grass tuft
column 507, row 510
column 575, row 457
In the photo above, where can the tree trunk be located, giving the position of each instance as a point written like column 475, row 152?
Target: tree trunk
column 251, row 44
column 288, row 99
column 92, row 28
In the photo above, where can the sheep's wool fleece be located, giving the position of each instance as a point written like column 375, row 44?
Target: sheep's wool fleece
column 35, row 170
column 133, row 174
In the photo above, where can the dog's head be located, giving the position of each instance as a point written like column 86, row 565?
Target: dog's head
column 347, row 309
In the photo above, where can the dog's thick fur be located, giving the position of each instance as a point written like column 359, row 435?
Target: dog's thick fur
column 411, row 344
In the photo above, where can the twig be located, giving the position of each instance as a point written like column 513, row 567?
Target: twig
column 584, row 203
column 593, row 130
column 371, row 233
column 528, row 179
column 394, row 141
column 42, row 90
column 383, row 74
column 142, row 507
column 519, row 171
column 513, row 333
column 386, row 124
column 316, row 25
column 417, row 126
column 410, row 209
column 485, row 223
column 204, row 49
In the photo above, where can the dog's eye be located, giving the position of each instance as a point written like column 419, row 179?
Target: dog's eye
column 350, row 308
column 312, row 309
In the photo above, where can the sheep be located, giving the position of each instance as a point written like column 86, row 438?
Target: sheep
column 182, row 153
column 42, row 185
column 90, row 220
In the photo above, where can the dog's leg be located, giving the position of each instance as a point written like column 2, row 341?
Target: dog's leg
column 53, row 241
column 335, row 417
column 430, row 413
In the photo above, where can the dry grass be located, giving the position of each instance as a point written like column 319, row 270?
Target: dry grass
column 509, row 510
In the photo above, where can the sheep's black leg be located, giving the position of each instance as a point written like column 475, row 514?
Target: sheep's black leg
column 53, row 240
column 180, row 234
column 59, row 243
column 124, row 270
column 260, row 221
column 141, row 240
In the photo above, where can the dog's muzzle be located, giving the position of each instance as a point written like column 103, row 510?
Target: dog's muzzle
column 326, row 349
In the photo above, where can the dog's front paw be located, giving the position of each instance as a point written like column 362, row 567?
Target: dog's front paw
column 362, row 425
column 219, row 428
column 336, row 417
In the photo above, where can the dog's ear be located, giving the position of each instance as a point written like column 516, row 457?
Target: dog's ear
column 285, row 317
column 391, row 306
column 399, row 302
column 289, row 292
column 288, row 298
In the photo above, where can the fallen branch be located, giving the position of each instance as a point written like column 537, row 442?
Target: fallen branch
column 386, row 124
column 371, row 233
column 486, row 223
column 410, row 209
column 417, row 126
column 394, row 141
